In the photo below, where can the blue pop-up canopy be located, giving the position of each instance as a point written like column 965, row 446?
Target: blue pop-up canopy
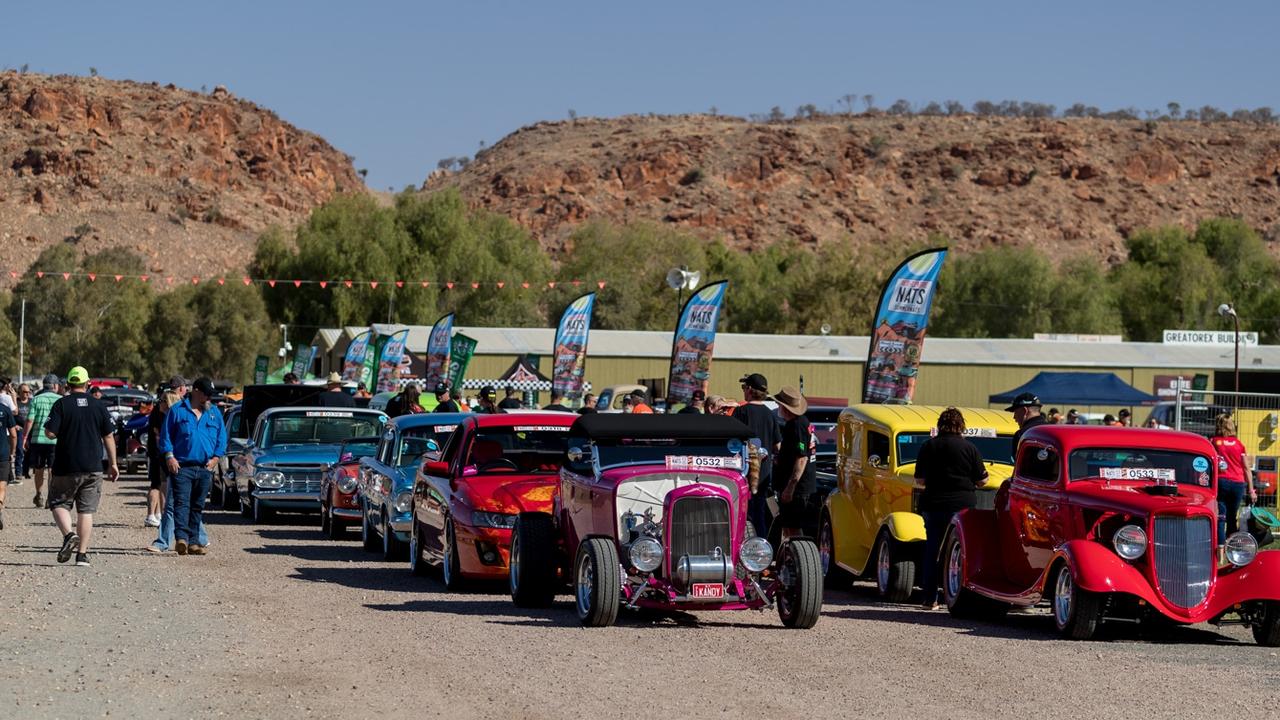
column 1078, row 388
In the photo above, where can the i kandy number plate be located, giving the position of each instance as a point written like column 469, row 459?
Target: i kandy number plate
column 707, row 590
column 683, row 462
column 1161, row 474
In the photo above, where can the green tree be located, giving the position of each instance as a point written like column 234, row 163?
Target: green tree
column 998, row 293
column 8, row 338
column 1168, row 282
column 1081, row 300
column 232, row 329
column 169, row 333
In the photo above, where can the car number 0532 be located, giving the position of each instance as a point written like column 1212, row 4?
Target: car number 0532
column 682, row 462
column 707, row 590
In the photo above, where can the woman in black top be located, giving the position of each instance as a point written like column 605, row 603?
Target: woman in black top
column 949, row 468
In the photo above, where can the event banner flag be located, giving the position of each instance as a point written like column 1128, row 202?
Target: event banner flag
column 460, row 351
column 438, row 346
column 261, row 367
column 302, row 361
column 372, row 351
column 353, row 361
column 570, row 351
column 695, row 341
column 898, row 329
column 389, row 363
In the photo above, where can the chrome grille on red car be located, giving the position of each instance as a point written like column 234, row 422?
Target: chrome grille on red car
column 698, row 526
column 1182, row 550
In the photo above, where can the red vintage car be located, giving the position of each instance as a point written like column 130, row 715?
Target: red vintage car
column 492, row 468
column 1111, row 523
column 339, row 508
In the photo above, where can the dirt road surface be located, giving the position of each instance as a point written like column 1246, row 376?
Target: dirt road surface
column 279, row 623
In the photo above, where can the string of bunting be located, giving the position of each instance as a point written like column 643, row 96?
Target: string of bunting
column 323, row 284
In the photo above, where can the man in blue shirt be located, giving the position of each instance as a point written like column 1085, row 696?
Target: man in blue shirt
column 192, row 440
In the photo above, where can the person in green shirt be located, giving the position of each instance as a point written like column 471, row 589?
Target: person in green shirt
column 37, row 445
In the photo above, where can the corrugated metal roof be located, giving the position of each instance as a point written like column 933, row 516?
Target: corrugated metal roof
column 853, row 348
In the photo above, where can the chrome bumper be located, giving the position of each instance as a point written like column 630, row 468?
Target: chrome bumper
column 347, row 513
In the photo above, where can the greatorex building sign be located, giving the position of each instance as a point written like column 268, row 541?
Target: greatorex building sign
column 1208, row 337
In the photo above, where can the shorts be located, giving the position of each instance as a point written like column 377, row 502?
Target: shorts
column 800, row 514
column 40, row 456
column 6, row 471
column 157, row 473
column 82, row 489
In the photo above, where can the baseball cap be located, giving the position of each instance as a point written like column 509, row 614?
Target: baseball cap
column 178, row 381
column 699, row 395
column 488, row 392
column 755, row 381
column 204, row 385
column 1024, row 400
column 441, row 389
column 49, row 381
column 1125, row 413
column 77, row 376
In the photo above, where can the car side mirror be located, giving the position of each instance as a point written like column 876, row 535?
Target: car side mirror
column 433, row 446
column 438, row 468
column 875, row 461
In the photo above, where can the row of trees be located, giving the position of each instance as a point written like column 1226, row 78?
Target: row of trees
column 1173, row 279
column 1019, row 109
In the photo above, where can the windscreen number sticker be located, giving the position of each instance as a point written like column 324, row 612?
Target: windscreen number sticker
column 1159, row 474
column 687, row 462
column 329, row 413
column 445, row 428
column 970, row 432
column 541, row 428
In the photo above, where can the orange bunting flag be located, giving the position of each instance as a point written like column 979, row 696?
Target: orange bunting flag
column 195, row 280
column 143, row 278
column 324, row 284
column 501, row 285
column 524, row 285
column 40, row 274
column 272, row 283
column 297, row 283
column 373, row 284
column 449, row 285
column 248, row 281
column 93, row 277
column 552, row 284
column 475, row 286
column 347, row 283
column 222, row 281
column 66, row 276
column 399, row 283
column 600, row 284
column 119, row 277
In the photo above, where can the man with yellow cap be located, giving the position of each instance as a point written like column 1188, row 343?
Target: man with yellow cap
column 83, row 428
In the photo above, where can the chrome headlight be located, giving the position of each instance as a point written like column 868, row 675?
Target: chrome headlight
column 404, row 501
column 1241, row 549
column 268, row 479
column 1130, row 542
column 755, row 554
column 646, row 554
column 493, row 520
column 347, row 484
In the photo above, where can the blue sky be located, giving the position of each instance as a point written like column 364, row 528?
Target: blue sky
column 399, row 85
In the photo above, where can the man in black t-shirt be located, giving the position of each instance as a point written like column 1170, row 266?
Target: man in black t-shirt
column 695, row 404
column 445, row 403
column 1026, row 412
column 510, row 401
column 794, row 469
column 8, row 448
column 557, row 402
column 334, row 395
column 949, row 470
column 83, row 429
column 764, row 426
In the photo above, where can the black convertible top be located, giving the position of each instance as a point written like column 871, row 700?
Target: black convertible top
column 627, row 426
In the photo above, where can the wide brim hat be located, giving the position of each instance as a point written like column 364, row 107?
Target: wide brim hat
column 791, row 399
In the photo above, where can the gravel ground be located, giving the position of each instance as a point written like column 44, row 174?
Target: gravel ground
column 277, row 622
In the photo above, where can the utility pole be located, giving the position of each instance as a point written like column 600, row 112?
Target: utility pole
column 22, row 341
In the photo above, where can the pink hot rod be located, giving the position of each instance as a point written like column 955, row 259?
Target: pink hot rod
column 651, row 512
column 1111, row 524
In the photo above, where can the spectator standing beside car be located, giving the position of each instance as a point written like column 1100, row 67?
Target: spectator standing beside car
column 1235, row 475
column 696, row 401
column 406, row 403
column 1126, row 418
column 334, row 395
column 292, row 379
column 795, row 469
column 509, row 400
column 949, row 469
column 486, row 403
column 38, row 446
column 157, row 473
column 444, row 401
column 764, row 425
column 1026, row 412
column 192, row 439
column 20, row 454
column 638, row 404
column 557, row 402
column 84, row 431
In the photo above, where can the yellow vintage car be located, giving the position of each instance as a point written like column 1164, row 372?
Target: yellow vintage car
column 869, row 524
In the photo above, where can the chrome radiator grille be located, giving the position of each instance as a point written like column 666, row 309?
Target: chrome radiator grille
column 301, row 480
column 698, row 526
column 1182, row 549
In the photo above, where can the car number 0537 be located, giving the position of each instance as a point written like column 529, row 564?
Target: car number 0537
column 707, row 590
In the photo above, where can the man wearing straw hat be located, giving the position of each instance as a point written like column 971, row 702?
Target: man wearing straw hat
column 794, row 469
column 334, row 395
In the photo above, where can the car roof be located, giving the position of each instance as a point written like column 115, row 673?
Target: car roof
column 428, row 419
column 523, row 417
column 618, row 426
column 316, row 408
column 1070, row 437
column 921, row 418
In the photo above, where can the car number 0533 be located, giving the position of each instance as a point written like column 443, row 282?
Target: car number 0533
column 707, row 590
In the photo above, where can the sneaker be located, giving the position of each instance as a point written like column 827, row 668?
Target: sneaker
column 196, row 550
column 69, row 542
column 152, row 521
column 181, row 547
column 156, row 549
column 82, row 559
column 16, row 481
column 38, row 500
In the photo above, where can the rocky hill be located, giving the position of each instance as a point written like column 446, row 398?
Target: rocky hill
column 186, row 179
column 1066, row 186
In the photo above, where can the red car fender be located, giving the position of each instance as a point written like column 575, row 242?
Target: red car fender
column 1259, row 580
column 977, row 532
column 1097, row 568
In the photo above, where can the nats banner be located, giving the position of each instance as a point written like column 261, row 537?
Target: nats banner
column 694, row 342
column 389, row 363
column 898, row 330
column 570, row 351
column 461, row 348
column 438, row 346
column 353, row 361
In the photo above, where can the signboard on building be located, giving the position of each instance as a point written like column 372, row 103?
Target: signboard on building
column 1076, row 338
column 1208, row 337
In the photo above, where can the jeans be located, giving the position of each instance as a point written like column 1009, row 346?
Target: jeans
column 19, row 456
column 935, row 528
column 190, row 488
column 164, row 540
column 1230, row 496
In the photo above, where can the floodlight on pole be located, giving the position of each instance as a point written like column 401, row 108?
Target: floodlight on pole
column 1227, row 309
column 681, row 279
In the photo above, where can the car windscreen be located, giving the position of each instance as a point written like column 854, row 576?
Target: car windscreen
column 520, row 448
column 354, row 451
column 993, row 448
column 1161, row 466
column 417, row 441
column 676, row 454
column 319, row 427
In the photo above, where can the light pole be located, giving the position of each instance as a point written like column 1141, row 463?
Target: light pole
column 1224, row 310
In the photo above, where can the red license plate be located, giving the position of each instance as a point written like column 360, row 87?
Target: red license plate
column 707, row 590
